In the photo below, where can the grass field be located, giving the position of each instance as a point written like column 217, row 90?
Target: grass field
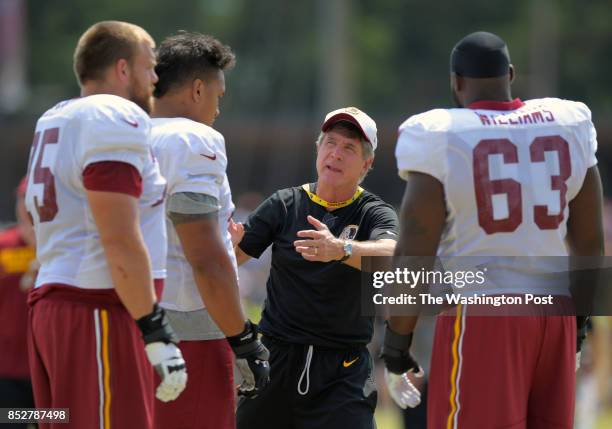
column 605, row 422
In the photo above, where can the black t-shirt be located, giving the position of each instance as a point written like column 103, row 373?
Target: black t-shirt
column 308, row 302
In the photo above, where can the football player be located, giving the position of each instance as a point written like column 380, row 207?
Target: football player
column 96, row 196
column 201, row 295
column 503, row 177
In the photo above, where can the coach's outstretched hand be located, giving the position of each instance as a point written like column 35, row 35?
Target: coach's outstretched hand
column 319, row 244
column 252, row 361
column 167, row 359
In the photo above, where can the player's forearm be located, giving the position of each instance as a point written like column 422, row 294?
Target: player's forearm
column 586, row 248
column 116, row 217
column 585, row 236
column 403, row 325
column 217, row 283
column 369, row 248
column 210, row 261
column 130, row 269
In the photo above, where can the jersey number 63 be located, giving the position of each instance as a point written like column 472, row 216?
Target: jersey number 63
column 485, row 188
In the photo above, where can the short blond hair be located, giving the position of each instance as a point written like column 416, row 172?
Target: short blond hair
column 103, row 44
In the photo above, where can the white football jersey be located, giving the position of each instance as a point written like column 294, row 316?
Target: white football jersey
column 192, row 158
column 509, row 171
column 69, row 137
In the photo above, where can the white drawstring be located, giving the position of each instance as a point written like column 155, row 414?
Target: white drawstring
column 306, row 371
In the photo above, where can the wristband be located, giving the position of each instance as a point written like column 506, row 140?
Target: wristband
column 348, row 250
column 395, row 340
column 246, row 341
column 155, row 327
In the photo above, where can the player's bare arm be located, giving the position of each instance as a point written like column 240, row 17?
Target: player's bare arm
column 116, row 216
column 212, row 267
column 321, row 245
column 585, row 235
column 422, row 217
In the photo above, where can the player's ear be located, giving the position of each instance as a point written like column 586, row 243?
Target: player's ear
column 511, row 73
column 197, row 90
column 456, row 82
column 122, row 70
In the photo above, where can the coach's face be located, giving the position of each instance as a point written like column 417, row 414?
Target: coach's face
column 142, row 75
column 340, row 159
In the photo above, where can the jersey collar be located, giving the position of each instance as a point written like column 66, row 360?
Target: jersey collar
column 497, row 105
column 327, row 204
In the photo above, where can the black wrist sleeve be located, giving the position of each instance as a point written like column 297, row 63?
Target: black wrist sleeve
column 156, row 327
column 396, row 352
column 245, row 342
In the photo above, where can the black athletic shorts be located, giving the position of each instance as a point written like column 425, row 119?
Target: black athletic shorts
column 313, row 388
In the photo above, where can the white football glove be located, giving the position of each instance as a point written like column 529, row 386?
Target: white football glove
column 168, row 361
column 401, row 389
column 163, row 353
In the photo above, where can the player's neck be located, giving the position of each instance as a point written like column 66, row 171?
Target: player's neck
column 335, row 194
column 503, row 96
column 163, row 109
column 93, row 88
column 169, row 107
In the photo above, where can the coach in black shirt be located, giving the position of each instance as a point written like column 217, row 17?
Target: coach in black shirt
column 321, row 372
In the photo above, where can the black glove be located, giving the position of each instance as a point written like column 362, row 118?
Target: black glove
column 252, row 361
column 163, row 353
column 396, row 352
column 156, row 327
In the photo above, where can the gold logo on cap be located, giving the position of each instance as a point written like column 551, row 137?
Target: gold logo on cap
column 353, row 110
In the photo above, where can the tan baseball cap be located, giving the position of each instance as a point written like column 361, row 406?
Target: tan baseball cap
column 363, row 122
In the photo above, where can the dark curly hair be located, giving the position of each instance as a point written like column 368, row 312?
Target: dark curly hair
column 187, row 56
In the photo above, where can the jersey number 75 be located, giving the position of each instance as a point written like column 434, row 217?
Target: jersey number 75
column 47, row 208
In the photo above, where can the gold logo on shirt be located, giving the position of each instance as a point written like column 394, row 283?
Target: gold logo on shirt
column 349, row 232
